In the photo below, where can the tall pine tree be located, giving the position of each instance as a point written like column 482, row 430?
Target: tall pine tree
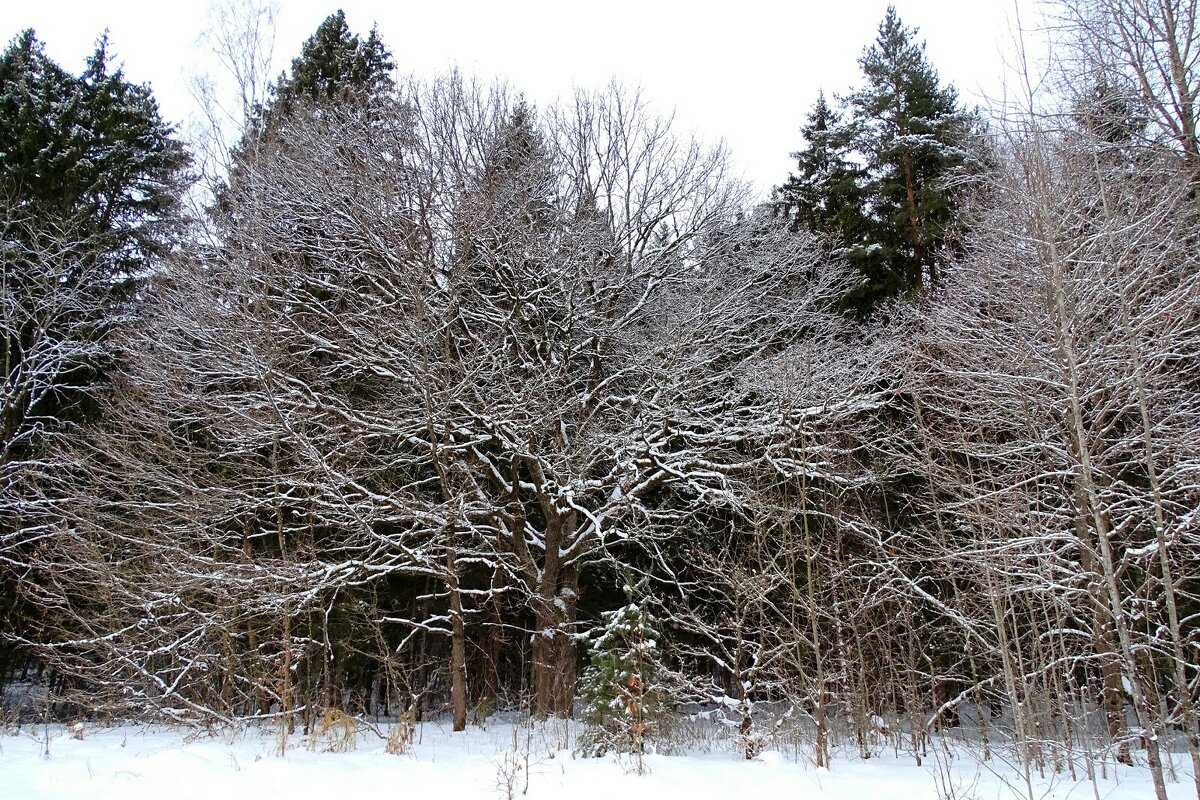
column 335, row 66
column 90, row 184
column 336, row 69
column 911, row 131
column 876, row 177
column 89, row 157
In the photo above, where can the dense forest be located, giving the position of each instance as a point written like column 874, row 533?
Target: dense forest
column 419, row 399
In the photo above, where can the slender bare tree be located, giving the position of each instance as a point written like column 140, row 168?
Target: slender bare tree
column 1058, row 371
column 1147, row 52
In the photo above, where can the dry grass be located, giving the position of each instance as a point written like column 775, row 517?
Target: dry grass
column 334, row 732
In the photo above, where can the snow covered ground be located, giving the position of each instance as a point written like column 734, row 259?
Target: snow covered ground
column 134, row 762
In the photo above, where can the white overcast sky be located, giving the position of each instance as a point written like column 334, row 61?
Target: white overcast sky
column 745, row 71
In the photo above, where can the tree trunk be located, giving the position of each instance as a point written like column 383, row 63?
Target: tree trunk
column 914, row 223
column 284, row 688
column 554, row 649
column 553, row 657
column 1089, row 493
column 458, row 648
column 554, row 606
column 493, row 645
column 1112, row 698
column 1179, row 663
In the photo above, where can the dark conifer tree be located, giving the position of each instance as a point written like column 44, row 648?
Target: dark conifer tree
column 876, row 177
column 279, row 233
column 823, row 194
column 90, row 184
column 335, row 69
column 335, row 66
column 911, row 132
column 38, row 154
column 1111, row 116
column 89, row 156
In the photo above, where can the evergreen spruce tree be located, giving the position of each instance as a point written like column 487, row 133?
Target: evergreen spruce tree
column 39, row 147
column 337, row 72
column 1111, row 116
column 823, row 195
column 335, row 67
column 90, row 184
column 89, row 157
column 622, row 690
column 338, row 91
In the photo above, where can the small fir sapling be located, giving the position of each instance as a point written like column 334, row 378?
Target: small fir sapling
column 622, row 689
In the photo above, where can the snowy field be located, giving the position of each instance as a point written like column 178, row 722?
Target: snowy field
column 503, row 760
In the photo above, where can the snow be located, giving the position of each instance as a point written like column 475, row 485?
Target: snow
column 135, row 762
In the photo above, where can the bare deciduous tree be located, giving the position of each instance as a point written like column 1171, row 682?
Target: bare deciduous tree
column 445, row 342
column 1058, row 377
column 1150, row 49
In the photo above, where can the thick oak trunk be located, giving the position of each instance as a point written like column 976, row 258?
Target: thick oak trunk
column 554, row 655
